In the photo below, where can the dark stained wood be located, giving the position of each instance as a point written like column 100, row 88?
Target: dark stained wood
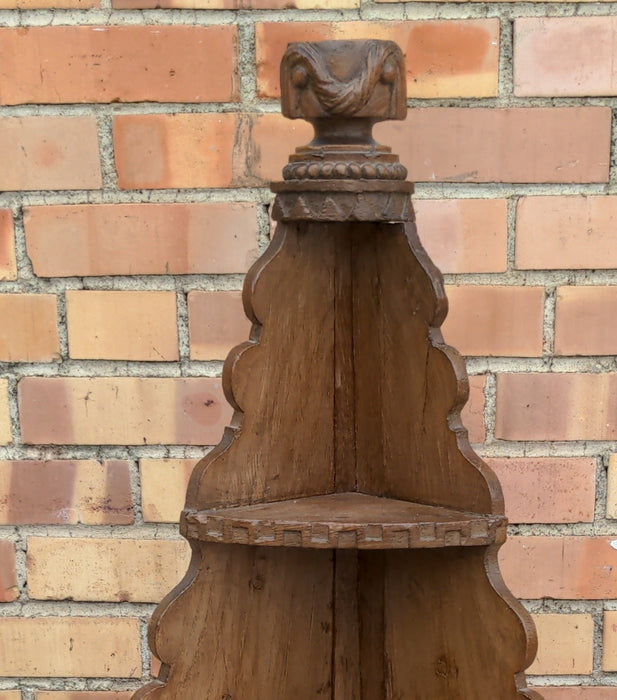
column 344, row 533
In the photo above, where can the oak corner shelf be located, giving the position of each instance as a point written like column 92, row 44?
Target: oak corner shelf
column 345, row 521
column 344, row 534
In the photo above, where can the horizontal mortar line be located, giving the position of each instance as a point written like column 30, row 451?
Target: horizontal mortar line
column 534, row 278
column 63, row 608
column 558, row 530
column 546, row 365
column 102, row 453
column 105, row 369
column 154, row 532
column 563, row 450
column 153, row 283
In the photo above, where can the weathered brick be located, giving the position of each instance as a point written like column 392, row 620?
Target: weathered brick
column 611, row 488
column 524, row 144
column 85, row 695
column 28, row 328
column 10, row 694
column 163, row 488
column 473, row 412
column 565, row 645
column 495, row 320
column 5, row 416
column 562, row 233
column 122, row 410
column 560, row 567
column 464, row 235
column 565, row 56
column 65, row 64
column 97, row 647
column 8, row 265
column 217, row 322
column 238, row 4
column 8, row 573
column 547, row 489
column 122, row 325
column 104, row 569
column 609, row 641
column 584, row 321
column 556, row 406
column 579, row 693
column 159, row 151
column 65, row 492
column 141, row 239
column 444, row 58
column 50, row 153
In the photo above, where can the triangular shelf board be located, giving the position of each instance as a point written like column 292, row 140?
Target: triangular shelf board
column 344, row 533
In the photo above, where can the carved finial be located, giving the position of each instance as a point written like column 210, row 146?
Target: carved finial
column 343, row 88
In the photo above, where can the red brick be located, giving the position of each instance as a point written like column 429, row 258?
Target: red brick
column 464, row 235
column 565, row 56
column 565, row 645
column 473, row 412
column 163, row 488
column 63, row 64
column 560, row 567
column 93, row 569
column 444, row 58
column 562, row 233
column 559, row 406
column 65, row 492
column 547, row 489
column 122, row 325
column 122, row 410
column 8, row 266
column 50, row 153
column 609, row 641
column 56, row 647
column 160, row 151
column 8, row 573
column 28, row 328
column 585, row 321
column 217, row 322
column 487, row 320
column 524, row 144
column 141, row 239
column 578, row 693
column 5, row 413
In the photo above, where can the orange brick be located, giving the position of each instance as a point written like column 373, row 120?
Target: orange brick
column 489, row 320
column 547, row 489
column 464, row 235
column 609, row 641
column 65, row 492
column 473, row 412
column 5, row 416
column 524, row 144
column 163, row 488
column 238, row 4
column 64, row 64
column 560, row 567
column 565, row 56
column 611, row 488
column 96, row 647
column 565, row 645
column 8, row 574
column 122, row 325
column 217, row 322
column 159, row 151
column 86, row 695
column 8, row 266
column 562, row 233
column 141, row 239
column 578, row 693
column 50, row 153
column 609, row 660
column 559, row 406
column 584, row 321
column 122, row 410
column 28, row 328
column 104, row 569
column 444, row 58
column 10, row 694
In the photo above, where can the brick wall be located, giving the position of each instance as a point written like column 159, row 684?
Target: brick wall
column 137, row 137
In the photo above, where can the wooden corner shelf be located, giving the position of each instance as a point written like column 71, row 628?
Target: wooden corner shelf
column 344, row 534
column 345, row 521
